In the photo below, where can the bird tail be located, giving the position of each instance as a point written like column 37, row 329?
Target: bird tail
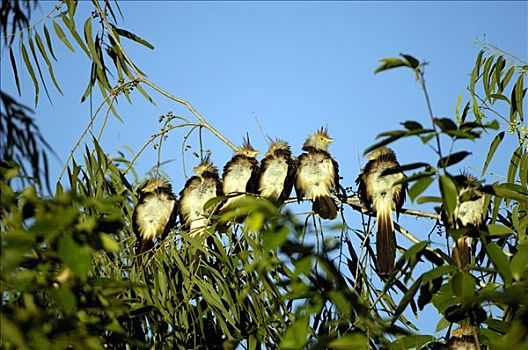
column 385, row 239
column 325, row 207
column 462, row 253
column 144, row 244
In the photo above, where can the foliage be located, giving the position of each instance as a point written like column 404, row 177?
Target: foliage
column 69, row 276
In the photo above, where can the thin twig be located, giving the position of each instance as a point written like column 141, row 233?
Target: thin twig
column 113, row 94
column 151, row 139
column 430, row 109
column 191, row 109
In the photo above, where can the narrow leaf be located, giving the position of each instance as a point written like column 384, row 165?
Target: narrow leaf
column 42, row 51
column 13, row 65
column 449, row 194
column 48, row 42
column 70, row 24
column 35, row 58
column 500, row 260
column 419, row 186
column 494, row 144
column 31, row 71
column 62, row 36
column 390, row 63
column 133, row 37
column 452, row 159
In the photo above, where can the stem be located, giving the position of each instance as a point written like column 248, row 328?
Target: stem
column 430, row 109
column 191, row 109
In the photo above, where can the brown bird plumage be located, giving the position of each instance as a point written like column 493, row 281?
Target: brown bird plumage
column 379, row 194
column 198, row 190
column 241, row 174
column 155, row 213
column 317, row 175
column 469, row 212
column 277, row 172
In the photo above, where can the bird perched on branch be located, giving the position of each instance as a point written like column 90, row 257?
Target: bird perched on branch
column 277, row 172
column 317, row 175
column 198, row 190
column 155, row 213
column 377, row 190
column 470, row 212
column 240, row 174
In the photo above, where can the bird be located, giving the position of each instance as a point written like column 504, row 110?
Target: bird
column 197, row 191
column 155, row 213
column 470, row 212
column 378, row 191
column 240, row 174
column 463, row 338
column 317, row 175
column 277, row 172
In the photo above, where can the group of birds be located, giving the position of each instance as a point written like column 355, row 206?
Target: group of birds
column 315, row 176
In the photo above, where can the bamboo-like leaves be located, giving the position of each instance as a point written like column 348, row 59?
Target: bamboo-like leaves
column 30, row 70
column 449, row 193
column 13, row 66
column 493, row 147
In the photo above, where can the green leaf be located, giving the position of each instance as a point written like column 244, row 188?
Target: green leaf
column 523, row 170
column 413, row 341
column 514, row 164
column 390, row 63
column 109, row 243
column 350, row 341
column 444, row 298
column 507, row 191
column 499, row 230
column 457, row 109
column 419, row 186
column 65, row 298
column 486, row 74
column 42, row 51
column 445, row 124
column 89, row 40
column 296, row 335
column 12, row 333
column 428, row 199
column 35, row 58
column 449, row 194
column 13, row 65
column 519, row 95
column 48, row 41
column 519, row 263
column 464, row 285
column 500, row 261
column 62, row 36
column 273, row 239
column 70, row 24
column 500, row 97
column 91, row 83
column 30, row 70
column 77, row 257
column 413, row 62
column 383, row 142
column 494, row 144
column 452, row 159
column 412, row 125
column 134, row 37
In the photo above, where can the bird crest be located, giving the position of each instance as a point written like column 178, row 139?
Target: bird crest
column 152, row 184
column 246, row 149
column 380, row 152
column 319, row 140
column 278, row 145
column 205, row 166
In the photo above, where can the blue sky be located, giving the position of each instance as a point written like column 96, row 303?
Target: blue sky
column 294, row 66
